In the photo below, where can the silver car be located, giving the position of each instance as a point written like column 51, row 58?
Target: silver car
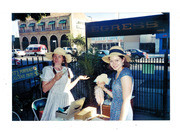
column 18, row 52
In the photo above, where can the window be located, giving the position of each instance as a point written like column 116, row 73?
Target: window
column 43, row 28
column 133, row 51
column 63, row 24
column 22, row 29
column 53, row 26
column 33, row 28
column 32, row 25
column 35, row 48
column 52, row 23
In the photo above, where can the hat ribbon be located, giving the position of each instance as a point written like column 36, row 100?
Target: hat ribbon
column 116, row 50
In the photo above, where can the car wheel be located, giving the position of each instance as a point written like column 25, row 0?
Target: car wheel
column 136, row 57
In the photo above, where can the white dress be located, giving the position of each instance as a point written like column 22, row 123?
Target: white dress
column 59, row 95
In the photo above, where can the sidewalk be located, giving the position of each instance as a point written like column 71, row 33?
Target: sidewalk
column 145, row 116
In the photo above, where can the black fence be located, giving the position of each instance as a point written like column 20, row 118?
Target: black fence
column 151, row 86
column 152, row 93
column 24, row 92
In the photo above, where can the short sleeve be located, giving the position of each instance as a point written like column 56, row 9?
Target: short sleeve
column 71, row 73
column 46, row 74
column 126, row 72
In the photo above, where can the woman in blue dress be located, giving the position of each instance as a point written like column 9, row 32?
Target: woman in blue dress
column 122, row 86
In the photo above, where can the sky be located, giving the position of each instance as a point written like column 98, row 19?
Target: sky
column 98, row 17
column 118, row 15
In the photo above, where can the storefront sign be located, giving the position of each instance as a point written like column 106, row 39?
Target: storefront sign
column 131, row 26
column 115, row 39
column 24, row 73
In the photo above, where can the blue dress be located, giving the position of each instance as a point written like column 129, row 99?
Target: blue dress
column 117, row 100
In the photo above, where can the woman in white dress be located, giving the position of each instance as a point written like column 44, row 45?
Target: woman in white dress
column 57, row 80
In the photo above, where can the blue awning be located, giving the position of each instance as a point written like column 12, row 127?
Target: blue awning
column 62, row 21
column 31, row 25
column 22, row 25
column 51, row 22
column 41, row 24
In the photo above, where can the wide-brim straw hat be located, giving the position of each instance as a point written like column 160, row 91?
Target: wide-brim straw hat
column 116, row 50
column 59, row 51
column 102, row 78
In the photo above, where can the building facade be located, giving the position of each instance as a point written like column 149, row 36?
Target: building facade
column 126, row 42
column 163, row 43
column 105, row 43
column 52, row 30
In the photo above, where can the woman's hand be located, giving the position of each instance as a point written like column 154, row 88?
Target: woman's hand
column 58, row 75
column 81, row 77
column 72, row 84
column 101, row 84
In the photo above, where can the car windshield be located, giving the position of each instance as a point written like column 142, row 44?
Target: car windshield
column 139, row 50
column 106, row 52
column 69, row 48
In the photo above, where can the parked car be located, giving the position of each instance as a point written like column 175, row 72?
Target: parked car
column 102, row 53
column 18, row 52
column 15, row 61
column 68, row 50
column 36, row 49
column 137, row 54
column 128, row 53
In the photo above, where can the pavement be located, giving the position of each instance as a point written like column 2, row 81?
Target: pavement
column 137, row 115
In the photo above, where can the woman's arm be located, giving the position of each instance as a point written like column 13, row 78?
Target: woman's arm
column 126, row 83
column 47, row 85
column 108, row 92
column 72, row 84
column 101, row 85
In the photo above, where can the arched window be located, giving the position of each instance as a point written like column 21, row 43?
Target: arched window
column 25, row 43
column 53, row 42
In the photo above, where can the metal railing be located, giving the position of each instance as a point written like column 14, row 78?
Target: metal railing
column 46, row 29
column 25, row 91
column 149, row 86
column 150, row 90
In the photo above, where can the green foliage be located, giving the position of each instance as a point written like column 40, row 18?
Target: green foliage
column 23, row 16
column 70, row 39
column 87, row 64
column 80, row 40
column 90, row 65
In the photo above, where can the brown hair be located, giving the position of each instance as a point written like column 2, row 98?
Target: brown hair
column 66, row 64
column 126, row 64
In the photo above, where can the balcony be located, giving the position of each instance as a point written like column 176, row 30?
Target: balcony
column 46, row 29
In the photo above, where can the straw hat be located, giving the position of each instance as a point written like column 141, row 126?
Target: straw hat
column 116, row 50
column 102, row 78
column 59, row 51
